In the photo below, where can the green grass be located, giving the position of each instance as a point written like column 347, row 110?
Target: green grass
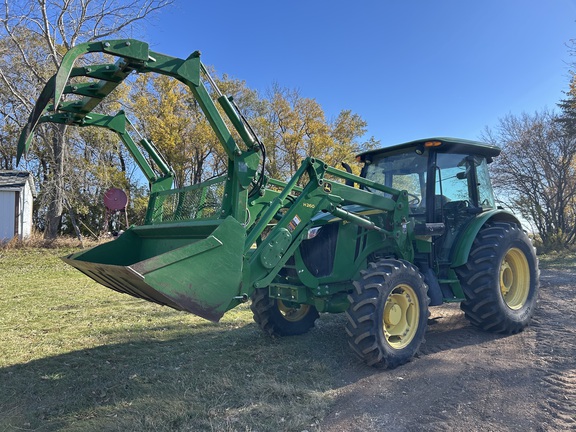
column 558, row 260
column 76, row 356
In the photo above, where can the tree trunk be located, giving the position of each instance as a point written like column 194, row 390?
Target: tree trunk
column 56, row 184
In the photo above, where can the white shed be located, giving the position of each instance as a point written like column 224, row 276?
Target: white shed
column 16, row 198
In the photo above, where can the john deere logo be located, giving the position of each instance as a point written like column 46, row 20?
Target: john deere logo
column 327, row 187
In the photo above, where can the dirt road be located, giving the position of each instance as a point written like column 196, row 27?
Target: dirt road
column 468, row 380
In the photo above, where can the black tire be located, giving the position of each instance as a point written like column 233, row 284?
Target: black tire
column 500, row 280
column 388, row 313
column 279, row 319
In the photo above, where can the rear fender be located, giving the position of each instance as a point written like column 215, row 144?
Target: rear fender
column 463, row 245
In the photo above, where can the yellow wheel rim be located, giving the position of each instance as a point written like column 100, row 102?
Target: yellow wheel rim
column 401, row 316
column 515, row 278
column 293, row 314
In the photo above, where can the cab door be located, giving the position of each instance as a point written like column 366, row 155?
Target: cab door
column 455, row 200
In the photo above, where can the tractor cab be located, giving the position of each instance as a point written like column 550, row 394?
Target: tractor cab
column 447, row 182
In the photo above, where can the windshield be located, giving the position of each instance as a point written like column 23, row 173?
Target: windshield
column 402, row 171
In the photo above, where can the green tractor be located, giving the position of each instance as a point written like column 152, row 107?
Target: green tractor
column 417, row 228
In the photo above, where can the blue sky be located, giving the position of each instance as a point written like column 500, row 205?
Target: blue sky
column 411, row 69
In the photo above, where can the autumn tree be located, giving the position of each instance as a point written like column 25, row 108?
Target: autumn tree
column 346, row 132
column 536, row 174
column 167, row 113
column 34, row 36
column 295, row 127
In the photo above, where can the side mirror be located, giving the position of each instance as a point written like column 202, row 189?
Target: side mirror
column 461, row 175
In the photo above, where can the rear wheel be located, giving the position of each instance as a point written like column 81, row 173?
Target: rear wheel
column 278, row 318
column 500, row 280
column 388, row 313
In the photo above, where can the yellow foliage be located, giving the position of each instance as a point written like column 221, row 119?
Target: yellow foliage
column 292, row 127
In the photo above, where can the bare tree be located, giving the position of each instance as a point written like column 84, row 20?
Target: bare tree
column 536, row 173
column 34, row 36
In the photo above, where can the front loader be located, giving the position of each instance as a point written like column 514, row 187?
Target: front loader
column 418, row 227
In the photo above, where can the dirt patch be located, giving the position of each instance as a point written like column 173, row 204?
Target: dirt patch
column 465, row 379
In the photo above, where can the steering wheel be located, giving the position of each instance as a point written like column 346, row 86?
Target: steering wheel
column 414, row 201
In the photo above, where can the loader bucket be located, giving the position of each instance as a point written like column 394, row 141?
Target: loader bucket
column 191, row 266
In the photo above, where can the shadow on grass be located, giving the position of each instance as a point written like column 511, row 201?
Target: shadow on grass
column 212, row 379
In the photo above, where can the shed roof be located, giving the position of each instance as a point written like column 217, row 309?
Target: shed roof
column 10, row 179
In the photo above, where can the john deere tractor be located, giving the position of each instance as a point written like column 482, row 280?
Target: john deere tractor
column 418, row 227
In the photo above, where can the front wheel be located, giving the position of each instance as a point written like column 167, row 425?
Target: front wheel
column 500, row 279
column 388, row 313
column 278, row 318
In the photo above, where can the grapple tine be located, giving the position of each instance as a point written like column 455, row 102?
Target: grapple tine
column 132, row 51
column 37, row 111
column 129, row 49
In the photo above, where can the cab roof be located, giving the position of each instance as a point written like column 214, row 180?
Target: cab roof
column 442, row 145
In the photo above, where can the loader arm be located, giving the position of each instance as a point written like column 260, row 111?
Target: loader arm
column 160, row 179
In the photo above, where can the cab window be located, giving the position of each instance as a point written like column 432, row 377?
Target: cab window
column 452, row 173
column 402, row 171
column 485, row 192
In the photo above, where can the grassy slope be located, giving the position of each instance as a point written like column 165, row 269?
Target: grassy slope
column 77, row 356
